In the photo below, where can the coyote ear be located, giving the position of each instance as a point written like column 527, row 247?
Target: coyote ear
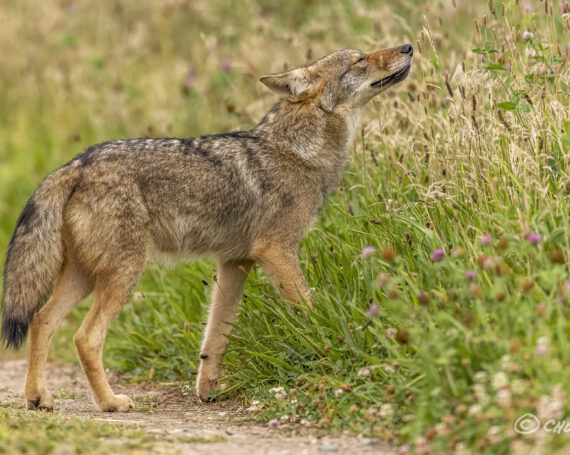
column 290, row 83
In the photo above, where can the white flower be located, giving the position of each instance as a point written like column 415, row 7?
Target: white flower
column 338, row 393
column 474, row 409
column 504, row 398
column 518, row 386
column 386, row 411
column 278, row 392
column 481, row 377
column 364, row 371
column 500, row 380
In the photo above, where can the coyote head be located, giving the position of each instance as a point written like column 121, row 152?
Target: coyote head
column 346, row 78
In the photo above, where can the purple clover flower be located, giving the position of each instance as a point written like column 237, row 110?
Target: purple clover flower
column 437, row 255
column 225, row 65
column 527, row 35
column 486, row 240
column 470, row 275
column 372, row 310
column 368, row 251
column 533, row 238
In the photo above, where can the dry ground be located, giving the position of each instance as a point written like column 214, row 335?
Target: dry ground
column 164, row 413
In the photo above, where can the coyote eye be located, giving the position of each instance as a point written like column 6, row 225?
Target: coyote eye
column 358, row 60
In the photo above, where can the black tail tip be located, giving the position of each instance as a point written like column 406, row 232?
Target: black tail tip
column 14, row 332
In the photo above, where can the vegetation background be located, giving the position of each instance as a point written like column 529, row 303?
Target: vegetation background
column 440, row 265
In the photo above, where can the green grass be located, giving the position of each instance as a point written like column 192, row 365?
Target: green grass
column 473, row 144
column 44, row 433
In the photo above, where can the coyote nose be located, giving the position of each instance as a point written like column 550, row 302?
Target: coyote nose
column 407, row 49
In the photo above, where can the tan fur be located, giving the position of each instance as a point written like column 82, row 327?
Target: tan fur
column 244, row 197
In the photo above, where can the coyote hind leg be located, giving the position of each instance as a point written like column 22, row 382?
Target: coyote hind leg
column 111, row 293
column 71, row 287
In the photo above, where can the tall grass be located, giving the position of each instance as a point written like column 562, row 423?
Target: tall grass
column 454, row 323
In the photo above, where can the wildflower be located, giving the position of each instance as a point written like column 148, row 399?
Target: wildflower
column 565, row 288
column 389, row 254
column 386, row 411
column 422, row 445
column 423, row 298
column 368, row 251
column 481, row 377
column 494, row 435
column 446, row 99
column 470, row 275
column 486, row 240
column 402, row 336
column 565, row 8
column 273, row 423
column 383, row 279
column 278, row 392
column 540, row 309
column 518, row 386
column 391, row 333
column 500, row 380
column 504, row 398
column 527, row 284
column 481, row 394
column 372, row 310
column 541, row 347
column 225, row 65
column 190, row 79
column 474, row 409
column 527, row 35
column 364, row 371
column 458, row 252
column 338, row 393
column 533, row 238
column 502, row 243
column 437, row 255
column 475, row 291
column 528, row 8
column 557, row 257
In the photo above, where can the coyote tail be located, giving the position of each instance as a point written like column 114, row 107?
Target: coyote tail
column 35, row 254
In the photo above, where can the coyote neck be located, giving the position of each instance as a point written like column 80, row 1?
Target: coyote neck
column 317, row 138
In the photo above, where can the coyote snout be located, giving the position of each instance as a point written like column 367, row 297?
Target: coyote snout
column 245, row 197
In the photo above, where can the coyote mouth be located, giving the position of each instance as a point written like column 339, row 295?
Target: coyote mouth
column 393, row 78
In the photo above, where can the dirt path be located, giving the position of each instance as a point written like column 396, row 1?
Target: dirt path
column 165, row 413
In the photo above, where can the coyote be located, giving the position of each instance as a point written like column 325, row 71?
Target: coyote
column 244, row 197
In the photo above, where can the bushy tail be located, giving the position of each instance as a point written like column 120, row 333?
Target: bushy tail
column 35, row 254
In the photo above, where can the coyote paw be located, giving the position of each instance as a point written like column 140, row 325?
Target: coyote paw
column 205, row 387
column 118, row 403
column 40, row 402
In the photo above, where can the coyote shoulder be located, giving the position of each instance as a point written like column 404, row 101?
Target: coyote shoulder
column 244, row 197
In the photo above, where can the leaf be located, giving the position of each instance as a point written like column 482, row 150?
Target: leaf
column 479, row 51
column 529, row 78
column 507, row 106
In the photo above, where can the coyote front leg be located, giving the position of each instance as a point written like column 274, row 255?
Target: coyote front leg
column 225, row 301
column 282, row 265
